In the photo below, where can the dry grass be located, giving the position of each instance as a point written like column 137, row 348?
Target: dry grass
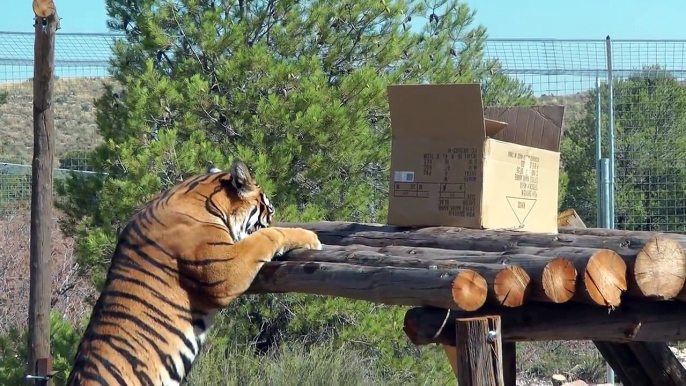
column 74, row 117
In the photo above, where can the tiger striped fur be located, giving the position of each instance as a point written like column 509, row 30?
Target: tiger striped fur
column 188, row 253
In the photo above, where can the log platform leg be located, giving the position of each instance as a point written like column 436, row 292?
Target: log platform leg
column 643, row 363
column 451, row 353
column 510, row 363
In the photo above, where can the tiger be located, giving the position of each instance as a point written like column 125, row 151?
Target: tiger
column 182, row 257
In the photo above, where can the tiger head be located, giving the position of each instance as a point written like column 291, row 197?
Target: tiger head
column 247, row 209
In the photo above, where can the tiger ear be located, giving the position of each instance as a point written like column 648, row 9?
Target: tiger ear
column 240, row 177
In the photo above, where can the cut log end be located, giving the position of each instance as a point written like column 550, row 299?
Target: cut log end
column 660, row 268
column 511, row 286
column 605, row 278
column 43, row 8
column 559, row 280
column 558, row 379
column 469, row 290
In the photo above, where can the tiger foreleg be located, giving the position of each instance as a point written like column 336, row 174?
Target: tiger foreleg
column 245, row 258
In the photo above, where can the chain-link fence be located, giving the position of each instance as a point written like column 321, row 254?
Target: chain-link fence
column 81, row 66
column 647, row 103
column 646, row 107
column 650, row 143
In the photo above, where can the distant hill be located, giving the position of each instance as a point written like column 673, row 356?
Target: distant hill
column 574, row 105
column 75, row 116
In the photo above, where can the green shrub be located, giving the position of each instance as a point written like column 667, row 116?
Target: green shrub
column 14, row 351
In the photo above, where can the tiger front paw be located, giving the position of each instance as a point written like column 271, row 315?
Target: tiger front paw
column 306, row 239
column 293, row 238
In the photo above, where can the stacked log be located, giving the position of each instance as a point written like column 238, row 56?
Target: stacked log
column 468, row 270
column 608, row 286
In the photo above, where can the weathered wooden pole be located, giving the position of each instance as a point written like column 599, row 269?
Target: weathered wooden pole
column 479, row 351
column 46, row 24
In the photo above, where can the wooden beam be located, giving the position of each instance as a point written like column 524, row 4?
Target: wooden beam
column 538, row 276
column 462, row 289
column 479, row 351
column 551, row 279
column 657, row 360
column 629, row 237
column 639, row 320
column 46, row 24
column 570, row 218
column 451, row 354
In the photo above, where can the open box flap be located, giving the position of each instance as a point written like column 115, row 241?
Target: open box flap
column 494, row 127
column 537, row 126
column 437, row 111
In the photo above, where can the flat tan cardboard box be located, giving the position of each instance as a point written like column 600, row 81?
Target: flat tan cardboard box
column 454, row 163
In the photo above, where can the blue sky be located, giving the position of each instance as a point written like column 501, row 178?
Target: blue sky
column 560, row 19
column 537, row 19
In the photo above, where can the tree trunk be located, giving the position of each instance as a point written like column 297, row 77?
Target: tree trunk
column 46, row 23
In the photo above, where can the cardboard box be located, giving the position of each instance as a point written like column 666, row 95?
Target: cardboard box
column 454, row 163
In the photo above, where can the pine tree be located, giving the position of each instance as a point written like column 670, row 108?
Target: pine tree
column 297, row 90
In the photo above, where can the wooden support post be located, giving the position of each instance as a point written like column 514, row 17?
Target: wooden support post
column 450, row 351
column 509, row 363
column 46, row 24
column 479, row 351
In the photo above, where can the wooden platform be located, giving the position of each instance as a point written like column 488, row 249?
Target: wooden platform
column 622, row 290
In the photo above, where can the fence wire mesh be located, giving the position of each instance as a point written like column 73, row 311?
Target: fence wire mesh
column 650, row 131
column 81, row 66
column 648, row 115
column 649, row 101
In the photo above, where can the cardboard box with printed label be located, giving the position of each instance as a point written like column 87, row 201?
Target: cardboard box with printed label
column 454, row 163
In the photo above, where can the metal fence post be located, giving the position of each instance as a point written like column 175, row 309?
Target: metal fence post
column 611, row 130
column 608, row 166
column 604, row 168
column 598, row 154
